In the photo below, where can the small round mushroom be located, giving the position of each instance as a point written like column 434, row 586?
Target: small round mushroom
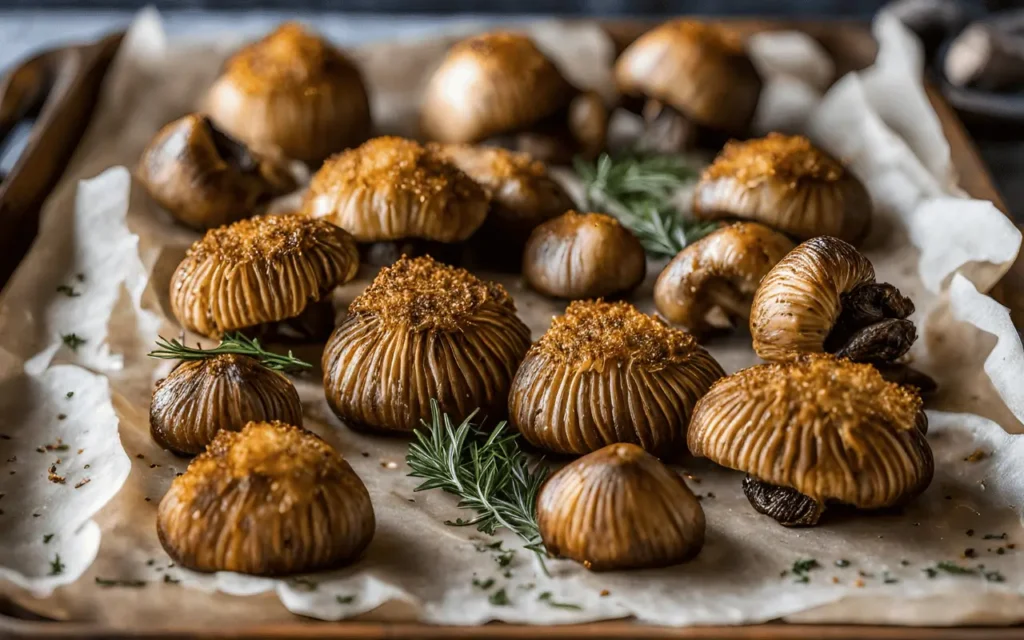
column 270, row 500
column 294, row 91
column 423, row 330
column 815, row 431
column 582, row 507
column 583, row 255
column 718, row 275
column 223, row 393
column 397, row 197
column 499, row 87
column 205, row 179
column 694, row 76
column 788, row 184
column 268, row 273
column 606, row 373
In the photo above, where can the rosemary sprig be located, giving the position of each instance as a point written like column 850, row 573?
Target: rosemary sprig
column 231, row 343
column 488, row 472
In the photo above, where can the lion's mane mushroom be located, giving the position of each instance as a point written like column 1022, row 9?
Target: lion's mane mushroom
column 606, row 373
column 268, row 273
column 205, row 179
column 423, row 330
column 222, row 393
column 272, row 499
column 294, row 91
column 694, row 77
column 718, row 274
column 499, row 87
column 397, row 197
column 581, row 510
column 788, row 184
column 815, row 431
column 583, row 255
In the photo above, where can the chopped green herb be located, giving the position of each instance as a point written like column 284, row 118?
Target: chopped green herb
column 954, row 568
column 993, row 536
column 505, row 557
column 483, row 584
column 804, row 579
column 80, row 277
column 69, row 395
column 493, row 546
column 47, row 537
column 344, row 599
column 499, row 598
column 68, row 291
column 546, row 597
column 994, row 576
column 56, row 566
column 888, row 578
column 506, row 573
column 134, row 584
column 905, row 563
column 72, row 341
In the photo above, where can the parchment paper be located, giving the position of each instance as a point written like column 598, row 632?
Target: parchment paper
column 416, row 567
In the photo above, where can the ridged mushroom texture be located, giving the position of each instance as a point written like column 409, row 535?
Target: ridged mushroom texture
column 423, row 330
column 583, row 255
column 268, row 273
column 620, row 508
column 606, row 373
column 270, row 500
column 223, row 393
column 787, row 184
column 815, row 431
column 397, row 197
column 292, row 90
column 205, row 179
column 711, row 283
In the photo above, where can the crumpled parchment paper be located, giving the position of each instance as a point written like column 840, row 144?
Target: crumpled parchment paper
column 417, row 568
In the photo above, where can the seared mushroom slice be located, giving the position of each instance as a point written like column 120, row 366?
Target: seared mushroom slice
column 222, row 393
column 294, row 91
column 718, row 274
column 265, row 274
column 696, row 78
column 815, row 431
column 423, row 331
column 606, row 373
column 397, row 198
column 581, row 510
column 788, row 184
column 500, row 88
column 270, row 500
column 583, row 255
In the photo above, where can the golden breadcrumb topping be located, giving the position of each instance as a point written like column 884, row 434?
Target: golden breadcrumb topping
column 231, row 364
column 264, row 238
column 504, row 49
column 288, row 59
column 786, row 159
column 706, row 35
column 572, row 220
column 490, row 165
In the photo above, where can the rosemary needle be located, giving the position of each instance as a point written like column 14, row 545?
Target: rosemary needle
column 235, row 343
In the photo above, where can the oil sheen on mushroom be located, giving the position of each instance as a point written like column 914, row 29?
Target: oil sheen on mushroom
column 607, row 373
column 583, row 255
column 423, row 330
column 815, row 431
column 226, row 392
column 270, row 500
column 715, row 278
column 620, row 508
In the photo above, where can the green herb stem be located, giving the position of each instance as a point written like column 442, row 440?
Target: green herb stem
column 232, row 343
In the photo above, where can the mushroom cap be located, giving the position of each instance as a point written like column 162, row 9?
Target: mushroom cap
column 271, row 499
column 226, row 392
column 583, row 255
column 788, row 184
column 391, row 188
column 605, row 373
column 260, row 270
column 490, row 84
column 205, row 179
column 294, row 91
column 423, row 330
column 699, row 69
column 581, row 510
column 798, row 302
column 721, row 270
column 831, row 429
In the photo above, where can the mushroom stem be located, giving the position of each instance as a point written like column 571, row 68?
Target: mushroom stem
column 735, row 305
column 314, row 324
column 872, row 325
column 883, row 341
column 788, row 506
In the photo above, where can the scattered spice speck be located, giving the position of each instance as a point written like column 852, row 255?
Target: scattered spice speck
column 499, row 598
column 858, row 583
column 68, row 291
column 56, row 566
column 72, row 341
column 483, row 584
column 995, row 536
column 69, row 395
column 84, row 481
column 169, row 580
column 842, row 563
column 976, row 456
column 835, row 579
column 344, row 599
column 62, row 416
column 970, row 553
column 969, row 532
column 47, row 537
column 605, row 593
column 108, row 582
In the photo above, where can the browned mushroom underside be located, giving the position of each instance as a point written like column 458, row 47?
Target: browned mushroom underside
column 579, row 128
column 314, row 324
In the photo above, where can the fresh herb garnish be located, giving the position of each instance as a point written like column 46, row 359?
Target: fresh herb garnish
column 56, row 566
column 68, row 291
column 499, row 598
column 547, row 597
column 483, row 584
column 134, row 584
column 344, row 599
column 69, row 395
column 47, row 537
column 235, row 343
column 72, row 341
column 801, row 568
column 505, row 557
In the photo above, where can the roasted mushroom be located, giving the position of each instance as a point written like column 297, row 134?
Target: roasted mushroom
column 294, row 91
column 696, row 78
column 581, row 510
column 500, row 88
column 266, row 274
column 788, row 184
column 605, row 373
column 397, row 197
column 815, row 431
column 583, row 255
column 718, row 274
column 271, row 499
column 423, row 330
column 225, row 392
column 205, row 178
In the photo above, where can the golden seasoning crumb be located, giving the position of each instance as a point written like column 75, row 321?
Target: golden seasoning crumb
column 977, row 456
column 491, row 165
column 605, row 593
column 787, row 159
column 83, row 482
column 52, row 476
column 858, row 583
column 571, row 220
column 835, row 579
column 288, row 59
column 504, row 49
column 267, row 238
column 707, row 35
